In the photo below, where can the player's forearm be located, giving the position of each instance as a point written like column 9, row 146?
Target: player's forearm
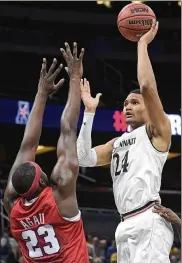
column 34, row 125
column 71, row 111
column 178, row 221
column 145, row 72
column 86, row 155
column 178, row 227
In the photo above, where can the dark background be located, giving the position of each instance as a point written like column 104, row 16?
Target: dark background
column 30, row 31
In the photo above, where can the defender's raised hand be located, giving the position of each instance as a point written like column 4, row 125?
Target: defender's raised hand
column 46, row 82
column 89, row 102
column 74, row 64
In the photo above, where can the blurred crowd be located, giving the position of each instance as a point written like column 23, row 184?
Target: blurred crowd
column 10, row 250
column 100, row 250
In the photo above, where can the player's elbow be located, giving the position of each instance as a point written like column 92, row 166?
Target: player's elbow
column 5, row 200
column 144, row 86
column 67, row 128
column 27, row 144
column 147, row 86
column 74, row 164
column 65, row 170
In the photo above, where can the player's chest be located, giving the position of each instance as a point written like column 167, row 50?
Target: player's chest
column 126, row 143
column 126, row 150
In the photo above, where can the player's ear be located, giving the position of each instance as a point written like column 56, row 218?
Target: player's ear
column 41, row 182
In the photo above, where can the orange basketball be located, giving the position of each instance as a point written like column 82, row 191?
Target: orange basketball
column 134, row 20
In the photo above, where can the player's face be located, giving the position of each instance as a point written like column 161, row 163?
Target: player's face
column 134, row 110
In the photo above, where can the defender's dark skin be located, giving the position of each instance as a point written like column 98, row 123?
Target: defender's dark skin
column 65, row 172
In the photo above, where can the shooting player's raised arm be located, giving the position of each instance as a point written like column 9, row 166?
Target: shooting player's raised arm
column 159, row 124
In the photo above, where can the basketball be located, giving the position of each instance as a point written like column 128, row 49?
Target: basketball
column 134, row 20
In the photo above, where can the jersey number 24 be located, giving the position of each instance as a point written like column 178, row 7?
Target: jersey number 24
column 124, row 163
column 51, row 243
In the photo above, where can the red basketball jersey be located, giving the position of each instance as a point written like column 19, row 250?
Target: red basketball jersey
column 44, row 235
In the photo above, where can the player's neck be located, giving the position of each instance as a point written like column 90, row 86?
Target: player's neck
column 38, row 192
column 135, row 126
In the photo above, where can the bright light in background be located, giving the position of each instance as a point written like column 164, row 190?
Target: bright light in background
column 106, row 3
column 173, row 155
column 44, row 149
column 40, row 147
column 137, row 2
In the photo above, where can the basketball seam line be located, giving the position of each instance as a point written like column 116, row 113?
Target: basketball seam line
column 134, row 16
column 132, row 29
column 130, row 5
column 128, row 38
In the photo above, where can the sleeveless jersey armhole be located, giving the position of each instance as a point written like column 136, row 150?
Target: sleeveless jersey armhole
column 152, row 146
column 73, row 219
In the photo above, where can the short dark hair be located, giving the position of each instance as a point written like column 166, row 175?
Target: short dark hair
column 23, row 178
column 136, row 91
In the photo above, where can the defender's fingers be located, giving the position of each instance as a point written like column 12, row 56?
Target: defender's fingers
column 54, row 75
column 66, row 69
column 59, row 84
column 161, row 208
column 75, row 50
column 68, row 50
column 81, row 54
column 158, row 206
column 65, row 56
column 52, row 67
column 43, row 69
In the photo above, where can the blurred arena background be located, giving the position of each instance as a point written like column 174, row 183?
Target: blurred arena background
column 30, row 31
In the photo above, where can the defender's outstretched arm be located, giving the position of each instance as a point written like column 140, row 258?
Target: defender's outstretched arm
column 33, row 128
column 65, row 172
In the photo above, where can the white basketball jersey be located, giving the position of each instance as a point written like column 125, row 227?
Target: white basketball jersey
column 136, row 169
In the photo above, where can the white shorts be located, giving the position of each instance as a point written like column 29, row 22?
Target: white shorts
column 144, row 238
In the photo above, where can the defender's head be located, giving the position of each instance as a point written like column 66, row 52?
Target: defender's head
column 134, row 109
column 29, row 180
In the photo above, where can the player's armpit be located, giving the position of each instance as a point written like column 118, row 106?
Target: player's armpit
column 104, row 153
column 158, row 142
